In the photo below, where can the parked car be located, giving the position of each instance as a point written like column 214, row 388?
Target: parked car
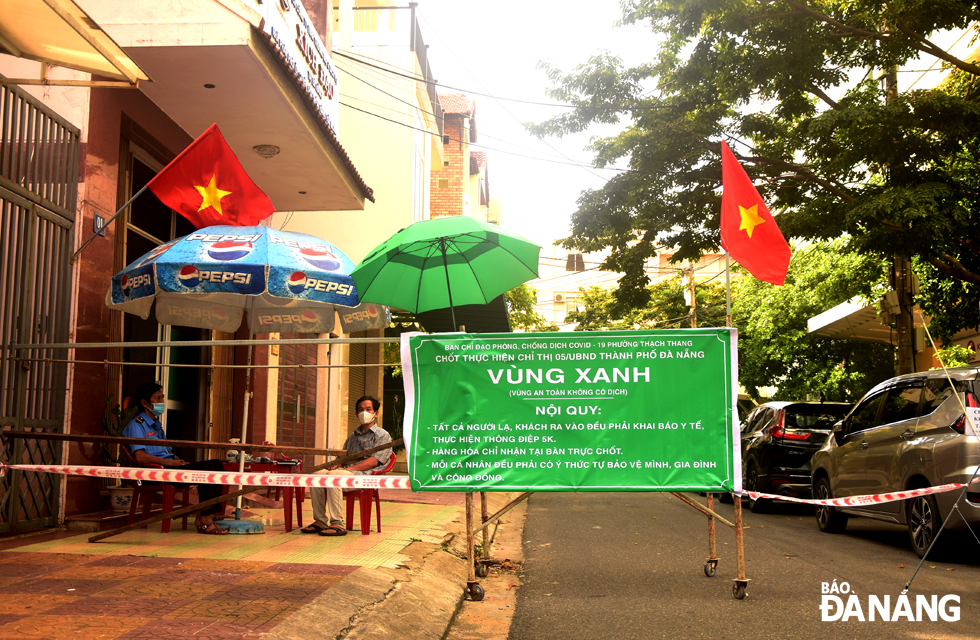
column 778, row 439
column 745, row 404
column 909, row 432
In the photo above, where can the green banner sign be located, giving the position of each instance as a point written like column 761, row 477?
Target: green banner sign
column 583, row 411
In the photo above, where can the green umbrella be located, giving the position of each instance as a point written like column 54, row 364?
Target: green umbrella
column 435, row 264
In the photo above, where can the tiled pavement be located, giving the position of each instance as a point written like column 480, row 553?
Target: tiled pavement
column 145, row 584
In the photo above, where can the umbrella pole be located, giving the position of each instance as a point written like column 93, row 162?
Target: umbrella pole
column 248, row 395
column 449, row 289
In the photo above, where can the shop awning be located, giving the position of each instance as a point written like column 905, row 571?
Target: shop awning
column 853, row 320
column 60, row 33
column 243, row 66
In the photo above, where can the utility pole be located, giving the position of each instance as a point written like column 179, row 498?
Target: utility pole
column 901, row 272
column 902, row 283
column 694, row 301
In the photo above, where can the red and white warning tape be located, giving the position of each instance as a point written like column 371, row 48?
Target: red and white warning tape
column 864, row 501
column 214, row 477
column 389, row 482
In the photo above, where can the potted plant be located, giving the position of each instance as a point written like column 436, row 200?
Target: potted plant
column 114, row 421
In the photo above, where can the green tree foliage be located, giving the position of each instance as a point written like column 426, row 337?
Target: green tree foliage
column 955, row 356
column 799, row 91
column 520, row 305
column 775, row 347
column 666, row 307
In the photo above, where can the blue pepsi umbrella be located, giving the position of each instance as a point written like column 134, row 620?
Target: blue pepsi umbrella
column 289, row 282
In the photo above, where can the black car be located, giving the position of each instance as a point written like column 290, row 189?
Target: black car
column 778, row 439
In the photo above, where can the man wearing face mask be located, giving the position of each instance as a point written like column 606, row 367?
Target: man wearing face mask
column 328, row 507
column 147, row 425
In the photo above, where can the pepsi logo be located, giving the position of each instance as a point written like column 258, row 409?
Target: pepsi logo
column 360, row 316
column 215, row 313
column 321, row 259
column 372, row 311
column 217, row 237
column 229, row 250
column 306, row 318
column 189, row 276
column 128, row 284
column 296, row 282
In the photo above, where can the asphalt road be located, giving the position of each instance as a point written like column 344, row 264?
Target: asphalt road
column 630, row 565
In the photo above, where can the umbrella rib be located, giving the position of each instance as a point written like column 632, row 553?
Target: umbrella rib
column 510, row 253
column 469, row 266
column 425, row 259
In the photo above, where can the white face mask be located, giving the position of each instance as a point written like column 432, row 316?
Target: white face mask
column 365, row 417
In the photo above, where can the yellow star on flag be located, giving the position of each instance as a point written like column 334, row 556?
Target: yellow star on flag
column 212, row 198
column 750, row 218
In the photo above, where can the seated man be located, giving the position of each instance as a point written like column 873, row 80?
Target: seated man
column 145, row 425
column 366, row 436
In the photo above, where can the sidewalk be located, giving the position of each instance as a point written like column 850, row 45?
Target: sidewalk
column 145, row 584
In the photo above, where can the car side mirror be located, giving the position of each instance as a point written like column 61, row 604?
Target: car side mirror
column 838, row 431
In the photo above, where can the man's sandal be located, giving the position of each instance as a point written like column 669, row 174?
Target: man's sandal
column 211, row 530
column 334, row 530
column 315, row 527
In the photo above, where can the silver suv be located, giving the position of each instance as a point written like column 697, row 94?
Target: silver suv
column 907, row 433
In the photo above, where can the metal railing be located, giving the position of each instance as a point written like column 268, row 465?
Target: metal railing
column 29, row 500
column 39, row 152
column 39, row 160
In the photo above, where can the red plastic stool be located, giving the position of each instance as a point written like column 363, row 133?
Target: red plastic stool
column 365, row 496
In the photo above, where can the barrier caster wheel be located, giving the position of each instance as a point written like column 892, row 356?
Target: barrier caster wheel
column 476, row 592
column 738, row 590
column 709, row 569
column 482, row 570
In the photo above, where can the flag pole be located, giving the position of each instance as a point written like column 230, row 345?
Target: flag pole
column 728, row 293
column 106, row 224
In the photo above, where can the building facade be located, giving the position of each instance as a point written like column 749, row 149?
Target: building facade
column 263, row 72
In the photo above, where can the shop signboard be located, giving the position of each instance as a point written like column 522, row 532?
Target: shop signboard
column 582, row 411
column 287, row 22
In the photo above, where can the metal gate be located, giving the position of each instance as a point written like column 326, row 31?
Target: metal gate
column 297, row 396
column 39, row 157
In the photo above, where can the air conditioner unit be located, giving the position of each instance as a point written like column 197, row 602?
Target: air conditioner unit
column 559, row 297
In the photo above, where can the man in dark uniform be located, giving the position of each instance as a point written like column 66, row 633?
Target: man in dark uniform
column 146, row 425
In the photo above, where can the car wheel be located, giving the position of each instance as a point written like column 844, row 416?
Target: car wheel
column 752, row 484
column 829, row 519
column 922, row 515
column 725, row 498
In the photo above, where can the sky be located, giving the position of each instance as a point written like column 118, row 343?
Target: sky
column 475, row 46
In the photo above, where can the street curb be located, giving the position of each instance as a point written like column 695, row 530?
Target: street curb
column 423, row 606
column 418, row 600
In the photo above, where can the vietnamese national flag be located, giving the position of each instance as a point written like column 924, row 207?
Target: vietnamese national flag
column 207, row 185
column 748, row 231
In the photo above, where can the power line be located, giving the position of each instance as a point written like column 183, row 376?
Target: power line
column 411, row 76
column 479, row 146
column 414, row 106
column 394, row 71
column 502, row 106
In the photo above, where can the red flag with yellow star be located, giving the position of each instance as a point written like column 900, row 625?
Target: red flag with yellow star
column 207, row 185
column 748, row 231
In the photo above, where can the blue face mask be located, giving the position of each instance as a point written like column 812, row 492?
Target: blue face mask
column 159, row 408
